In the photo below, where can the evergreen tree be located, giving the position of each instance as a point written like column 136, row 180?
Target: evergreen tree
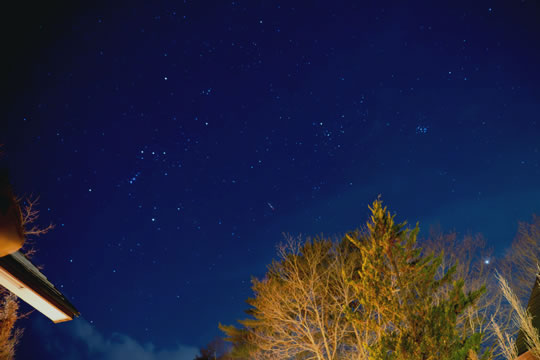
column 217, row 349
column 373, row 295
column 406, row 311
column 242, row 347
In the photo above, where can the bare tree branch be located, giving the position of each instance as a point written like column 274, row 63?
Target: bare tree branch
column 30, row 214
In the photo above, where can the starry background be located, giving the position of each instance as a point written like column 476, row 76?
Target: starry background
column 173, row 142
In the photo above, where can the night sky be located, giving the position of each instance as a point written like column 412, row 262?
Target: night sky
column 173, row 142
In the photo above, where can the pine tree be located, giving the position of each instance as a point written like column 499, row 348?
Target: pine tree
column 216, row 349
column 373, row 295
column 242, row 348
column 401, row 309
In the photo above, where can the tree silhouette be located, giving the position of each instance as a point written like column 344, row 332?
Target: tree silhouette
column 216, row 349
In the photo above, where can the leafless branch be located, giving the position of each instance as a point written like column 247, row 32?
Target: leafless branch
column 30, row 214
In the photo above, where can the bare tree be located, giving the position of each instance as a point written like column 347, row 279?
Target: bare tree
column 476, row 265
column 494, row 314
column 300, row 308
column 522, row 319
column 413, row 304
column 314, row 302
column 521, row 260
column 27, row 215
column 30, row 214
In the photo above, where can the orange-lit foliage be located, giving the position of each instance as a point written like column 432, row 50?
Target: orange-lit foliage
column 408, row 309
column 385, row 298
column 9, row 337
column 300, row 307
column 372, row 295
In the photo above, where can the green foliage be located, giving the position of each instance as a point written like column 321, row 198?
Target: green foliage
column 408, row 311
column 217, row 349
column 373, row 295
column 242, row 347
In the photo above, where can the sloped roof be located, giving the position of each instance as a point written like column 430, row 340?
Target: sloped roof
column 24, row 271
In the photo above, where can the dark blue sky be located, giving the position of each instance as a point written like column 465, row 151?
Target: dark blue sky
column 159, row 134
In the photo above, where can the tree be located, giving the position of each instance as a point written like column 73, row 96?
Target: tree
column 408, row 310
column 217, row 349
column 9, row 336
column 25, row 216
column 493, row 315
column 520, row 264
column 521, row 261
column 300, row 308
column 477, row 266
column 372, row 295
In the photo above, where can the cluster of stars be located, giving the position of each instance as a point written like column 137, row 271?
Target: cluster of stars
column 421, row 129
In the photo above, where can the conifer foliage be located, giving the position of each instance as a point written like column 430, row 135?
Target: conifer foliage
column 402, row 312
column 217, row 349
column 371, row 296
